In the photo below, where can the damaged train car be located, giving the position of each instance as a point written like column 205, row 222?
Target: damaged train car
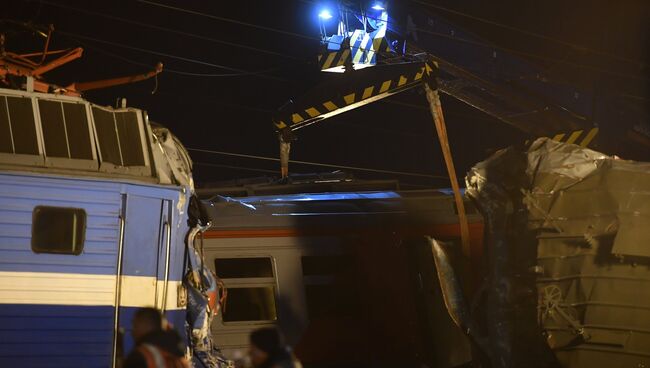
column 559, row 273
column 347, row 276
column 97, row 219
column 94, row 224
column 568, row 254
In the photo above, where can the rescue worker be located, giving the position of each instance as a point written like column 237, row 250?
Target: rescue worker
column 155, row 346
column 267, row 350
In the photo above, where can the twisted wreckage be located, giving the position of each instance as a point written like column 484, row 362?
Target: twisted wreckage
column 567, row 279
column 559, row 278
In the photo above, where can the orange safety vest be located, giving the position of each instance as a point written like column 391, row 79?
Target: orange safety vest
column 158, row 358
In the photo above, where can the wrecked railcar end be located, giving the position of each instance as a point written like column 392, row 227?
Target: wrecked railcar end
column 568, row 233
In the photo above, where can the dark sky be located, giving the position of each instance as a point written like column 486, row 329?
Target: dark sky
column 233, row 113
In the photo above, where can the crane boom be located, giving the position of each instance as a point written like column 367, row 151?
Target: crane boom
column 361, row 87
column 352, row 90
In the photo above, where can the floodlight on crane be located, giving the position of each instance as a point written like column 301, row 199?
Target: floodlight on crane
column 325, row 14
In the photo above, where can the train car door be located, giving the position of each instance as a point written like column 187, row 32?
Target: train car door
column 145, row 258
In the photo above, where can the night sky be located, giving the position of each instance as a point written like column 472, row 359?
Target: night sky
column 273, row 58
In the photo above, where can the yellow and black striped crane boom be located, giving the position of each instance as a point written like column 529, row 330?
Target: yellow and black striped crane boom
column 351, row 90
column 360, row 87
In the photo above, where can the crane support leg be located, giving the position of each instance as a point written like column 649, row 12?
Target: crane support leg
column 285, row 149
column 438, row 119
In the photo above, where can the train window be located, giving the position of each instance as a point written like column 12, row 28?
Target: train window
column 324, row 265
column 58, row 230
column 54, row 132
column 23, row 130
column 6, row 141
column 128, row 131
column 120, row 138
column 250, row 304
column 231, row 268
column 107, row 136
column 76, row 125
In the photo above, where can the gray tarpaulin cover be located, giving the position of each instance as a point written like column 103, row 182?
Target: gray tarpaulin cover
column 569, row 231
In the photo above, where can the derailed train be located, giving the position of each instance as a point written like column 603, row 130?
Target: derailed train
column 95, row 222
column 557, row 276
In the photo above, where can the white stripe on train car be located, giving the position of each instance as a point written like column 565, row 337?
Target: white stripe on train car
column 53, row 288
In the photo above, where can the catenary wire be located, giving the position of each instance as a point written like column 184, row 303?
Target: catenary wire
column 266, row 158
column 248, row 168
column 170, row 30
column 511, row 50
column 243, row 168
column 228, row 20
column 239, row 72
column 530, row 33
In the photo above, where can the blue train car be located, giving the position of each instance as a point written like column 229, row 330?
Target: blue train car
column 93, row 225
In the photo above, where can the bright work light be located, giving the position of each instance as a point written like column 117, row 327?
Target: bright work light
column 378, row 6
column 325, row 14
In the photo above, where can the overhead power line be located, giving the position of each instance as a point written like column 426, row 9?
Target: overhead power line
column 440, row 34
column 529, row 33
column 244, row 168
column 234, row 21
column 356, row 168
column 228, row 20
column 239, row 72
column 146, row 65
column 247, row 168
column 170, row 30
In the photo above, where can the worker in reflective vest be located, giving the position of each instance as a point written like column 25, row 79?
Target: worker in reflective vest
column 156, row 347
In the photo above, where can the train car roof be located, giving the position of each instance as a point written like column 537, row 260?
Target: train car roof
column 340, row 209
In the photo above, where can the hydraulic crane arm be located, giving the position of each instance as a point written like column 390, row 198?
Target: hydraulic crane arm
column 352, row 90
column 361, row 87
column 346, row 92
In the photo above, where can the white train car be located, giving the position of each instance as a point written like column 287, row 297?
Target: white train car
column 347, row 276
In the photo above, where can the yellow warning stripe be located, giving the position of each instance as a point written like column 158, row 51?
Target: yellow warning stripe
column 349, row 98
column 590, row 136
column 572, row 138
column 402, row 80
column 295, row 118
column 330, row 106
column 419, row 74
column 385, row 86
column 344, row 57
column 312, row 112
column 329, row 60
column 367, row 92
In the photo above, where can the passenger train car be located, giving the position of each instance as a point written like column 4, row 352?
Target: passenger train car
column 347, row 276
column 93, row 223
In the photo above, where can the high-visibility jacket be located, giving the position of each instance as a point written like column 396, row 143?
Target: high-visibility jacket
column 159, row 358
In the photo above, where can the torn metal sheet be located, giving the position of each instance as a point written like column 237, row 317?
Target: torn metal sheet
column 577, row 223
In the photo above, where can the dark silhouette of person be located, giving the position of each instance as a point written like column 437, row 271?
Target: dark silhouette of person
column 267, row 350
column 155, row 346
